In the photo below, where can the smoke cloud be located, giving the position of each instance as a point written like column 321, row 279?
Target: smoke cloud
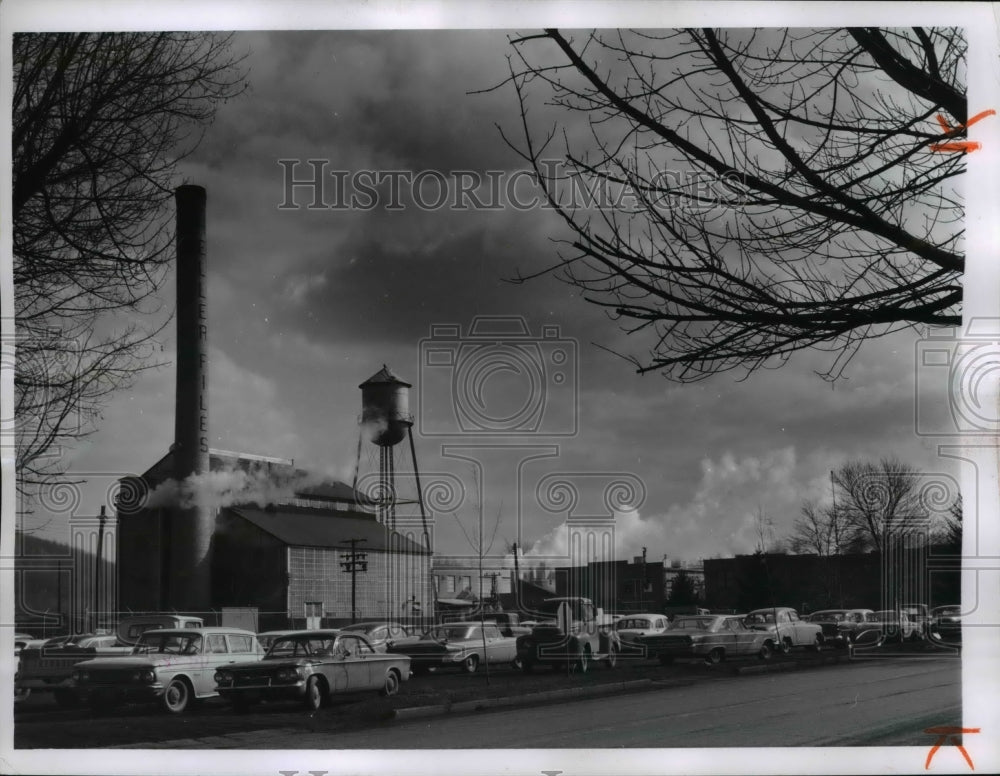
column 226, row 487
column 719, row 520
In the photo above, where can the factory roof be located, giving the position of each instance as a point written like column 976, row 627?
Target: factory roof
column 310, row 527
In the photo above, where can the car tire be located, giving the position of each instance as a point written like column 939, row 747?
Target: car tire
column 66, row 699
column 178, row 696
column 516, row 664
column 611, row 661
column 817, row 644
column 766, row 651
column 391, row 685
column 785, row 646
column 313, row 699
column 582, row 662
column 471, row 664
column 527, row 666
column 714, row 657
column 666, row 660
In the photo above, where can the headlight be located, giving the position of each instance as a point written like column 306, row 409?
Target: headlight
column 288, row 674
column 223, row 677
column 81, row 676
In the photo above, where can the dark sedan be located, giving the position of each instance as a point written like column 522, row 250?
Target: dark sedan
column 946, row 623
column 312, row 666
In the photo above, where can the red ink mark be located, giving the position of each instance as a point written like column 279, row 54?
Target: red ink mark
column 966, row 146
column 948, row 734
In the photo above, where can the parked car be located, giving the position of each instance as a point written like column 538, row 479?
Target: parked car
column 577, row 634
column 131, row 628
column 311, row 666
column 266, row 639
column 840, row 626
column 712, row 637
column 20, row 641
column 171, row 665
column 894, row 625
column 458, row 644
column 633, row 626
column 509, row 623
column 920, row 615
column 786, row 627
column 946, row 623
column 379, row 634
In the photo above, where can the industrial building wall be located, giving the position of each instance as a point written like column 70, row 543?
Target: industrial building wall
column 387, row 590
column 249, row 569
column 139, row 542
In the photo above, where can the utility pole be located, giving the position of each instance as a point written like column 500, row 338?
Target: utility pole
column 97, row 570
column 517, row 580
column 642, row 588
column 355, row 561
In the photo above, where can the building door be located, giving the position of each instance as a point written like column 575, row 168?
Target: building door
column 314, row 615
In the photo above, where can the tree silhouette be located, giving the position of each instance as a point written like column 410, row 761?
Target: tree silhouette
column 742, row 195
column 100, row 121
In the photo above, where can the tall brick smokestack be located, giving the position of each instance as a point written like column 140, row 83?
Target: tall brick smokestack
column 191, row 537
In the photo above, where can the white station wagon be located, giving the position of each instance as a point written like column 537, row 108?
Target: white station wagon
column 172, row 665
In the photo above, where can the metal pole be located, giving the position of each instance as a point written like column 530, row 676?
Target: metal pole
column 97, row 570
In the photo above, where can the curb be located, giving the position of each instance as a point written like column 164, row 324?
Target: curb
column 485, row 704
column 793, row 665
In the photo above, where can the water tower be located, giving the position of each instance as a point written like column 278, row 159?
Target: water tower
column 385, row 422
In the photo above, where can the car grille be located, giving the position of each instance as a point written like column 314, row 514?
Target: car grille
column 252, row 680
column 120, row 676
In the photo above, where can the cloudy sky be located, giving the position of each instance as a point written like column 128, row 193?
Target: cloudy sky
column 306, row 303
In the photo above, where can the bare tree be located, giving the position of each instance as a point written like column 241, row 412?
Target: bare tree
column 743, row 195
column 99, row 124
column 879, row 500
column 823, row 531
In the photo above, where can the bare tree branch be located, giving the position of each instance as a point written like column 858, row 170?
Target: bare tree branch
column 99, row 124
column 742, row 195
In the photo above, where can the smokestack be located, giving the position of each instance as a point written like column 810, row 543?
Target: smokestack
column 193, row 528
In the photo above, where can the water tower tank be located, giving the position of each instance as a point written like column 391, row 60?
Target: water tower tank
column 385, row 401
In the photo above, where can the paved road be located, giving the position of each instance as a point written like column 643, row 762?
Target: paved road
column 879, row 703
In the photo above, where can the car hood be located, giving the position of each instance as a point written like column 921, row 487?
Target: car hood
column 138, row 661
column 265, row 666
column 426, row 647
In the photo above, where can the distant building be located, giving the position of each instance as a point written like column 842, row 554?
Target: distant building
column 616, row 586
column 694, row 571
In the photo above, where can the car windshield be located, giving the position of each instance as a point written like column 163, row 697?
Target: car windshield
column 168, row 643
column 827, row 616
column 301, row 646
column 448, row 633
column 692, row 623
column 884, row 614
column 633, row 623
column 760, row 618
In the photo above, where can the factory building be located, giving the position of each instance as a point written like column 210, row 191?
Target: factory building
column 284, row 559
